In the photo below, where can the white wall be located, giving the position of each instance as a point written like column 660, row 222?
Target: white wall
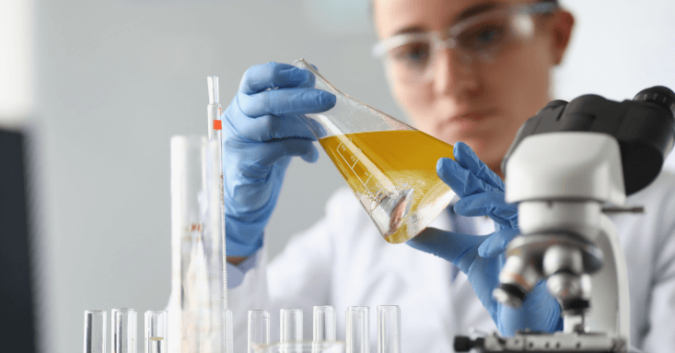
column 16, row 61
column 117, row 78
column 619, row 48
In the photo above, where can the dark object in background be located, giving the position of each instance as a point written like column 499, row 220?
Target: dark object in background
column 644, row 128
column 17, row 326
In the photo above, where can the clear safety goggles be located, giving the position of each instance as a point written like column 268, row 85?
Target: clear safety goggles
column 411, row 57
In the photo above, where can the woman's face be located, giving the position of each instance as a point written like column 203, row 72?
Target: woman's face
column 481, row 104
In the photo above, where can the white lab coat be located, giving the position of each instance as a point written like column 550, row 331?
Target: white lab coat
column 343, row 261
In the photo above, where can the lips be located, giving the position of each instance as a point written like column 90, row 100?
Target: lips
column 472, row 115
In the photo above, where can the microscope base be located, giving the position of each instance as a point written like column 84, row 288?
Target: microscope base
column 527, row 341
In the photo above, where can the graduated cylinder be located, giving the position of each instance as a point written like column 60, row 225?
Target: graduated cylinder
column 196, row 315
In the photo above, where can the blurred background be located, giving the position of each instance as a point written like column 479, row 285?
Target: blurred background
column 99, row 86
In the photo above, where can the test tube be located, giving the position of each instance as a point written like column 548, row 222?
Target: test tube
column 156, row 328
column 123, row 322
column 291, row 325
column 95, row 331
column 258, row 329
column 324, row 324
column 228, row 332
column 358, row 333
column 388, row 329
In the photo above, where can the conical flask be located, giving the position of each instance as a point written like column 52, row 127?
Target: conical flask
column 390, row 166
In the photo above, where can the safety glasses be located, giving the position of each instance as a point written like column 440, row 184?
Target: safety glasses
column 411, row 57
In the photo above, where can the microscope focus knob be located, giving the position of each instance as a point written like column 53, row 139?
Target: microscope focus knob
column 465, row 344
column 659, row 95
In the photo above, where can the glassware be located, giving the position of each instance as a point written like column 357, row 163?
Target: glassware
column 388, row 329
column 198, row 321
column 95, row 331
column 304, row 347
column 156, row 331
column 258, row 329
column 214, row 110
column 390, row 166
column 324, row 327
column 291, row 325
column 123, row 322
column 358, row 329
column 228, row 328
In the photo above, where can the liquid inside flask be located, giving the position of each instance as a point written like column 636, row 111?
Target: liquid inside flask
column 390, row 166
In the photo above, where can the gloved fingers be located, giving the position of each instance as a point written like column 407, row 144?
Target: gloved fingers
column 540, row 312
column 460, row 249
column 286, row 101
column 490, row 204
column 268, row 127
column 312, row 155
column 543, row 310
column 496, row 243
column 468, row 159
column 274, row 75
column 267, row 153
column 460, row 179
column 251, row 190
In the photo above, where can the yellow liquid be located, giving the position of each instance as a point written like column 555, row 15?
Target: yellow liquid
column 386, row 160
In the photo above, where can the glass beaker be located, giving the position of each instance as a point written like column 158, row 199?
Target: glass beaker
column 390, row 166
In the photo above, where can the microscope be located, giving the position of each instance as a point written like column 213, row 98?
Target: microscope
column 570, row 166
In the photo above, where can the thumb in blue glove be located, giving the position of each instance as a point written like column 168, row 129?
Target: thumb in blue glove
column 263, row 128
column 481, row 258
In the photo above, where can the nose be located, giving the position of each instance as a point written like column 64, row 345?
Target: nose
column 454, row 74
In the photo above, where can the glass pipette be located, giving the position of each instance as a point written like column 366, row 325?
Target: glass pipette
column 215, row 128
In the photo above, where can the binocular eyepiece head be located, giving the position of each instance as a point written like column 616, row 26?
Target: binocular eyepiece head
column 643, row 126
column 659, row 95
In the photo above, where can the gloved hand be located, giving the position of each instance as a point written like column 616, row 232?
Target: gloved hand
column 482, row 257
column 262, row 129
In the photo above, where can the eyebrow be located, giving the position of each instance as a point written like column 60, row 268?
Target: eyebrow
column 410, row 29
column 471, row 11
column 476, row 9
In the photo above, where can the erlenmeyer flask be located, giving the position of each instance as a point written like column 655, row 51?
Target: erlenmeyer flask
column 390, row 166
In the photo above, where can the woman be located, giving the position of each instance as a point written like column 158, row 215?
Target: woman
column 463, row 70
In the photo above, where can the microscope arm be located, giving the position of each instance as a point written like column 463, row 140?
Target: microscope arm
column 609, row 286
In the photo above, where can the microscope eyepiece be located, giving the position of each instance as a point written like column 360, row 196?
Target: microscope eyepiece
column 659, row 95
column 555, row 104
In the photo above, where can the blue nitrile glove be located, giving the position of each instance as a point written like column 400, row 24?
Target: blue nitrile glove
column 262, row 129
column 482, row 257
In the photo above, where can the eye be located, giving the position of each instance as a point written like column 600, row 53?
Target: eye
column 412, row 54
column 484, row 37
column 487, row 36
